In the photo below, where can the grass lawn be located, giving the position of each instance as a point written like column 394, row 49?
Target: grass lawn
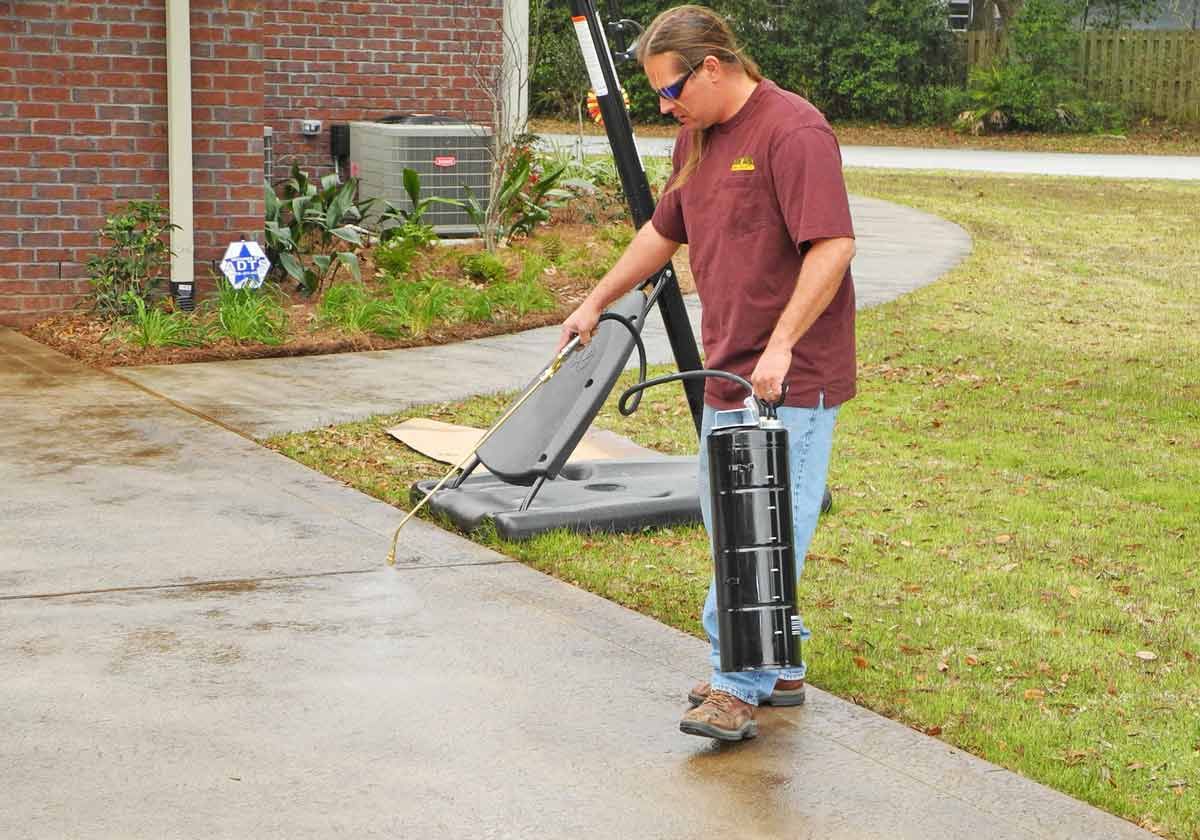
column 1013, row 561
column 1149, row 139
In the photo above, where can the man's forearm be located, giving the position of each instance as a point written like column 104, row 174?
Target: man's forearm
column 820, row 278
column 646, row 254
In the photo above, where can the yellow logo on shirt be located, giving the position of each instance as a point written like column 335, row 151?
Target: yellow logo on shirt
column 742, row 164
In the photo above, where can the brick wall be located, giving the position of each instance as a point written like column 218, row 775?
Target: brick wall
column 83, row 129
column 83, row 112
column 339, row 62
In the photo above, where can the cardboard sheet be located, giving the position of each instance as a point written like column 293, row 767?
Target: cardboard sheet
column 449, row 443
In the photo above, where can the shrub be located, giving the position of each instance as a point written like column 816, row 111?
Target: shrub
column 523, row 198
column 521, row 297
column 150, row 326
column 350, row 308
column 314, row 231
column 474, row 305
column 484, row 266
column 409, row 224
column 136, row 262
column 395, row 255
column 250, row 314
column 1032, row 86
column 860, row 59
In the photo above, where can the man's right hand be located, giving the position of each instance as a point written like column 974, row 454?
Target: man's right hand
column 582, row 322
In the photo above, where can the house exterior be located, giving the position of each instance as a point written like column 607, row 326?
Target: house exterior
column 86, row 122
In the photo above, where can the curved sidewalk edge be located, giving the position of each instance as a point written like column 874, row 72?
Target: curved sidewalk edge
column 899, row 249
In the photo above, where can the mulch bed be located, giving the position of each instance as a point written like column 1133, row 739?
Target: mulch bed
column 84, row 336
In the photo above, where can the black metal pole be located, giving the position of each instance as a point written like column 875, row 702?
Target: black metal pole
column 603, row 76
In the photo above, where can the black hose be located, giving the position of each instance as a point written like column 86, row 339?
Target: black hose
column 635, row 390
column 641, row 348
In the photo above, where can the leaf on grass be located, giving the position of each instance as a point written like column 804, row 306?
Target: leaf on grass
column 933, row 731
column 943, row 666
column 1074, row 591
column 1002, row 539
column 861, row 662
column 971, row 660
column 1034, row 694
column 1146, row 655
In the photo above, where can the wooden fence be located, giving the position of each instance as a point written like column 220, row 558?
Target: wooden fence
column 1156, row 73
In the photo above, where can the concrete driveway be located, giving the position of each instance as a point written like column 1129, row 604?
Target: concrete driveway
column 199, row 638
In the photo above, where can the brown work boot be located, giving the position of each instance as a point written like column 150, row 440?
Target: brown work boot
column 786, row 693
column 721, row 716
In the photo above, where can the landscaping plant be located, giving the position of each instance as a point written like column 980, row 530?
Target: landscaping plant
column 136, row 262
column 314, row 230
column 409, row 224
column 148, row 325
column 1031, row 85
column 250, row 315
column 523, row 195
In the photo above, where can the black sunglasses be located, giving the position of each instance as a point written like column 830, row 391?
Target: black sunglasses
column 673, row 90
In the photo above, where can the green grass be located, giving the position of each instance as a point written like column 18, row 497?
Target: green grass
column 1013, row 561
column 150, row 326
column 250, row 314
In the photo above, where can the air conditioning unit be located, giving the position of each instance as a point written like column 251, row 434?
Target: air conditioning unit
column 446, row 157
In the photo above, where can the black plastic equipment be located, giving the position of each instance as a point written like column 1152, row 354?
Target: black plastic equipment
column 586, row 496
column 537, row 440
column 527, row 455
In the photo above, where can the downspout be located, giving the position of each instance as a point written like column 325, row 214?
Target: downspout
column 514, row 73
column 179, row 141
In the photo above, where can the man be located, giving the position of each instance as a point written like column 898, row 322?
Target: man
column 757, row 193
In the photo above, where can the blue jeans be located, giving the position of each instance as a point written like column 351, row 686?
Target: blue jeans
column 810, row 439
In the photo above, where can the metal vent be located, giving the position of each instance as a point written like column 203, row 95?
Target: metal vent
column 446, row 157
column 268, row 154
column 958, row 15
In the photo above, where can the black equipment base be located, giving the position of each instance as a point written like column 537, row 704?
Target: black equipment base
column 611, row 496
column 588, row 496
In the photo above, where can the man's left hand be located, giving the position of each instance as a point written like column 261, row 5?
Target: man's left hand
column 769, row 373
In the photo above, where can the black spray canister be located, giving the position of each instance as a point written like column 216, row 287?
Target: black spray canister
column 754, row 561
column 753, row 550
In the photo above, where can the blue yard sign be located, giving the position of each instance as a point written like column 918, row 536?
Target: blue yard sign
column 245, row 264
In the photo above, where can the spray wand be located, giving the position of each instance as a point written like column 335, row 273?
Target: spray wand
column 551, row 369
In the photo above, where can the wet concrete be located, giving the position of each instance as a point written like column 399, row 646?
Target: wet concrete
column 108, row 486
column 486, row 701
column 899, row 250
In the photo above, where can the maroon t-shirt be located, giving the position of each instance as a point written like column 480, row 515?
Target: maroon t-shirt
column 769, row 183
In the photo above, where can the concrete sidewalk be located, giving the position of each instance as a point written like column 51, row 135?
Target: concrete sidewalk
column 899, row 249
column 199, row 639
column 1172, row 167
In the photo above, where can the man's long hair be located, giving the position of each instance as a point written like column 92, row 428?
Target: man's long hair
column 691, row 33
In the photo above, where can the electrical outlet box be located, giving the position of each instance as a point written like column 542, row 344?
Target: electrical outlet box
column 310, row 127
